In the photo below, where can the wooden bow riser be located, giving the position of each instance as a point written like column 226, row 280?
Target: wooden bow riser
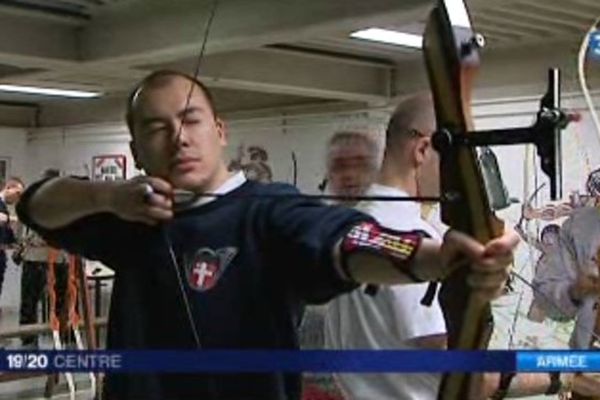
column 468, row 318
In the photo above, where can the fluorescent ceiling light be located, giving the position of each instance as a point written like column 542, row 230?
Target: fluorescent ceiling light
column 48, row 91
column 389, row 37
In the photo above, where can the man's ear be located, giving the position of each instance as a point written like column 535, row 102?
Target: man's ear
column 422, row 146
column 221, row 130
column 134, row 153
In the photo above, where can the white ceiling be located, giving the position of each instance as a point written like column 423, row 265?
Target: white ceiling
column 264, row 54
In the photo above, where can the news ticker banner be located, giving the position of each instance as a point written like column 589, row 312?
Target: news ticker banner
column 229, row 361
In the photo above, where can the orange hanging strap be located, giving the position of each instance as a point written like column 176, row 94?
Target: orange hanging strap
column 72, row 293
column 51, row 283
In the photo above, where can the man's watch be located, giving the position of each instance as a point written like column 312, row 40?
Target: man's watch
column 503, row 386
column 555, row 384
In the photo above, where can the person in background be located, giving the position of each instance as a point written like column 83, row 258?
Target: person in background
column 33, row 251
column 352, row 161
column 9, row 196
column 568, row 288
column 392, row 317
column 549, row 237
column 352, row 164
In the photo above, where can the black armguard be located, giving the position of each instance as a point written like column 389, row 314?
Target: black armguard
column 555, row 384
column 398, row 247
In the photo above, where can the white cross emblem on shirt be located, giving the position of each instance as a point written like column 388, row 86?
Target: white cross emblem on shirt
column 202, row 271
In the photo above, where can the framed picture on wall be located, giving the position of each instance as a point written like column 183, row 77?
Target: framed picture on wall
column 109, row 167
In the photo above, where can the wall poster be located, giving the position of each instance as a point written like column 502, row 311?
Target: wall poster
column 109, row 167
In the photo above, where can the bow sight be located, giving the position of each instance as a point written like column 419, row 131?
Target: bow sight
column 544, row 134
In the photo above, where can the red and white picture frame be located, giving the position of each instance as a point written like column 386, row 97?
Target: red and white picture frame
column 109, row 167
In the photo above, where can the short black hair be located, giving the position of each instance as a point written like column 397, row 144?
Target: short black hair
column 157, row 79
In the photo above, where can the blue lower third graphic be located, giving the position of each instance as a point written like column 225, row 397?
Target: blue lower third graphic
column 567, row 361
column 227, row 361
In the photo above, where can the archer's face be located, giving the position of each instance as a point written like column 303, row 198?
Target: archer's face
column 351, row 169
column 178, row 141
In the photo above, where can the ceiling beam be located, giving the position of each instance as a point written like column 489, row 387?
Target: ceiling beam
column 35, row 43
column 44, row 12
column 559, row 11
column 510, row 24
column 293, row 74
column 278, row 70
column 175, row 29
column 537, row 17
column 504, row 69
column 503, row 34
column 84, row 3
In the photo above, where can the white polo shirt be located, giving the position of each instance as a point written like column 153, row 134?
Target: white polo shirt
column 388, row 320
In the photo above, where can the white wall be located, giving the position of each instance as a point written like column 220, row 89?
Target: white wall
column 72, row 149
column 13, row 143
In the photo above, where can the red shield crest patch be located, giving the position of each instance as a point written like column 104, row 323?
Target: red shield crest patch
column 207, row 266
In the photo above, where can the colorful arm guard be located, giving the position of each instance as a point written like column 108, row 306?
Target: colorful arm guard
column 370, row 237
